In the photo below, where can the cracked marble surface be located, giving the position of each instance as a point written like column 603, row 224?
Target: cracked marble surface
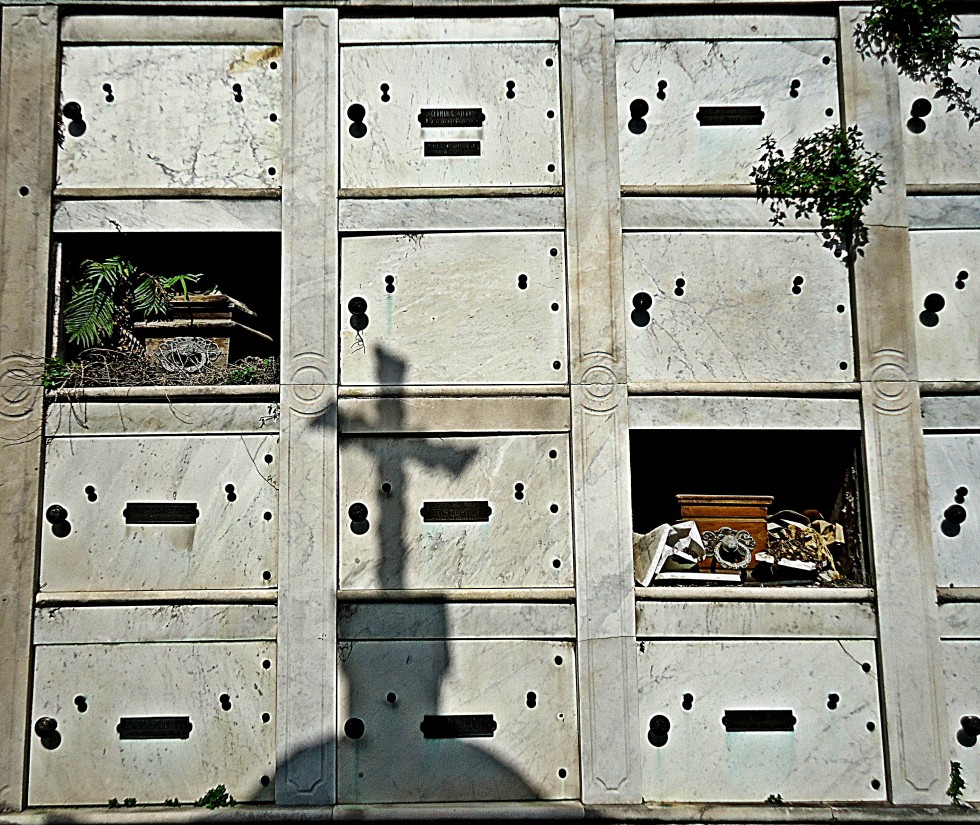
column 831, row 754
column 527, row 541
column 520, row 144
column 668, row 145
column 738, row 318
column 171, row 117
column 465, row 308
column 231, row 544
column 228, row 743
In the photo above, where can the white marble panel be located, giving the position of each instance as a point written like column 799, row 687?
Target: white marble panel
column 737, row 317
column 171, row 118
column 231, row 480
column 155, row 623
column 832, row 753
column 450, row 214
column 89, row 689
column 725, row 26
column 81, row 418
column 169, row 28
column 367, row 30
column 961, row 667
column 951, row 412
column 458, row 620
column 451, row 309
column 709, row 212
column 526, row 540
column 953, row 468
column 374, row 416
column 960, row 620
column 940, row 146
column 948, row 339
column 732, row 620
column 519, row 141
column 710, row 412
column 391, row 686
column 158, row 215
column 669, row 146
column 944, row 212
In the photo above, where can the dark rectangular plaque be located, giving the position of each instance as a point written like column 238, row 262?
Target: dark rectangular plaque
column 460, row 726
column 154, row 727
column 456, row 511
column 452, row 118
column 730, row 115
column 161, row 512
column 451, row 148
column 758, row 721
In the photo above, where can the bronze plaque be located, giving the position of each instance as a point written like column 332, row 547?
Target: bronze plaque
column 460, row 726
column 456, row 511
column 730, row 115
column 162, row 512
column 451, row 148
column 452, row 118
column 154, row 727
column 758, row 721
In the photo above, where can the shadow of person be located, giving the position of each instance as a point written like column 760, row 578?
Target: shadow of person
column 395, row 655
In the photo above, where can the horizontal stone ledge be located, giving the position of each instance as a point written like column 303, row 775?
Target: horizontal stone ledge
column 846, row 388
column 739, row 593
column 530, row 594
column 66, row 598
column 100, row 193
column 188, row 391
column 382, row 193
column 454, row 391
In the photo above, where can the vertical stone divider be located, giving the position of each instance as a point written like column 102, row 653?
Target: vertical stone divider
column 905, row 580
column 307, row 672
column 28, row 68
column 607, row 678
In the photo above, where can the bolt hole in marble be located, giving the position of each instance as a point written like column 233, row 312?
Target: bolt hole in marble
column 268, row 458
column 230, row 493
column 661, row 90
column 920, row 109
column 266, row 718
column 90, row 493
column 81, row 704
column 532, row 699
column 356, row 114
column 510, row 93
column 389, row 284
column 640, row 316
column 794, row 87
column 24, row 191
column 562, row 773
column 236, row 89
column 76, row 125
column 687, row 701
column 658, row 730
column 639, row 109
column 833, row 700
column 679, row 285
column 522, row 281
column 225, row 700
column 969, row 731
column 955, row 514
column 391, row 698
column 109, row 96
column 933, row 305
column 385, row 97
column 359, row 523
column 519, row 491
column 961, row 279
column 266, row 575
column 797, row 287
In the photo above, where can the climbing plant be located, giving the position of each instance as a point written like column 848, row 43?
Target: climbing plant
column 922, row 38
column 829, row 173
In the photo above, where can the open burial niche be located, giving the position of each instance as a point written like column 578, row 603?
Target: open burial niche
column 747, row 507
column 157, row 308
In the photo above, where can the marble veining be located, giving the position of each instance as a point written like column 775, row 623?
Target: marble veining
column 455, row 309
column 229, row 478
column 832, row 753
column 528, row 687
column 946, row 303
column 668, row 146
column 515, row 84
column 952, row 466
column 961, row 667
column 229, row 742
column 171, row 116
column 527, row 541
column 737, row 306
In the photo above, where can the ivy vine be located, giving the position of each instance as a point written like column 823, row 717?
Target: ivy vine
column 922, row 38
column 829, row 173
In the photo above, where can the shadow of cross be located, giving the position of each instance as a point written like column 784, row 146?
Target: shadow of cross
column 401, row 681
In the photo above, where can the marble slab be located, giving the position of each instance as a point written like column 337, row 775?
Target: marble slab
column 458, row 620
column 960, row 620
column 713, row 412
column 733, row 620
column 230, row 479
column 527, row 686
column 667, row 145
column 724, row 26
column 953, row 465
column 951, row 412
column 454, row 309
column 519, row 140
column 525, row 541
column 832, row 753
column 171, row 117
column 947, row 336
column 157, row 215
column 155, row 623
column 375, row 416
column 737, row 317
column 940, row 147
column 367, row 30
column 944, row 212
column 90, row 418
column 225, row 689
column 450, row 214
column 961, row 667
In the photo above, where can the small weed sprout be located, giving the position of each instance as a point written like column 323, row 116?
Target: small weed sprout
column 172, row 803
column 830, row 173
column 775, row 799
column 217, row 797
column 956, row 783
column 922, row 38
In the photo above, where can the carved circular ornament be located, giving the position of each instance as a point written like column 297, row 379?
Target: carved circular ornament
column 308, row 383
column 18, row 389
column 599, row 381
column 891, row 381
column 732, row 549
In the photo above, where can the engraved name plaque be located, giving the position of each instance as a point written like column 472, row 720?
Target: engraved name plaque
column 456, row 511
column 451, row 148
column 461, row 726
column 163, row 512
column 154, row 727
column 730, row 115
column 758, row 721
column 451, row 118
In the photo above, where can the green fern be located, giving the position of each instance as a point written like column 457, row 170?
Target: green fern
column 105, row 294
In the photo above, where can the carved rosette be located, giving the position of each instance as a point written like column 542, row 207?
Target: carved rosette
column 598, row 383
column 306, row 391
column 891, row 381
